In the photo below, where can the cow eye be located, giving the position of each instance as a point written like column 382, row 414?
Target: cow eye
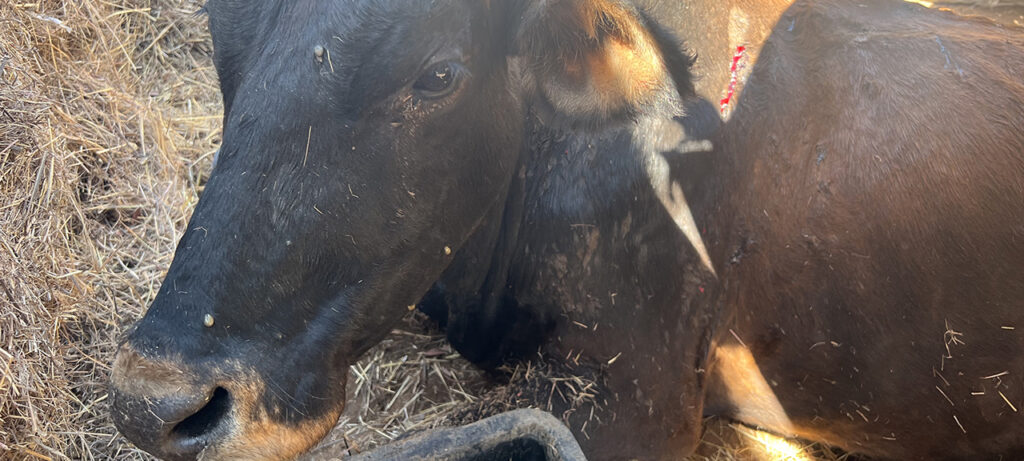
column 438, row 80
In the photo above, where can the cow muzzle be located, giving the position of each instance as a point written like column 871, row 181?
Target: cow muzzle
column 168, row 410
column 175, row 412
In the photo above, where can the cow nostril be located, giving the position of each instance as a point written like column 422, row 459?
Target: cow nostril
column 207, row 418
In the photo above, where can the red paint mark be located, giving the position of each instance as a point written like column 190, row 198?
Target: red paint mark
column 701, row 289
column 736, row 58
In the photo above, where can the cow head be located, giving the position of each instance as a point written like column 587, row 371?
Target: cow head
column 364, row 141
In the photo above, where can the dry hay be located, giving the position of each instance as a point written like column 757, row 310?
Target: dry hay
column 413, row 381
column 109, row 112
column 109, row 115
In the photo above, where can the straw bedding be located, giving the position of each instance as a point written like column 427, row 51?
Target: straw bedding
column 109, row 117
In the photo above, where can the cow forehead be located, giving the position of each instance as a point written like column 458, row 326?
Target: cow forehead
column 343, row 17
column 361, row 29
column 367, row 48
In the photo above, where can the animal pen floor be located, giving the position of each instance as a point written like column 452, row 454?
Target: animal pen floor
column 109, row 117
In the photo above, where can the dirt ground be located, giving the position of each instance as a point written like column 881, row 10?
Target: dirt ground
column 109, row 117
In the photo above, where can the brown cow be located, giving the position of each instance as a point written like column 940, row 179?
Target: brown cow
column 865, row 212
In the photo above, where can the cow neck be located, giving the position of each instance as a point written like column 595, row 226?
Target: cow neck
column 593, row 222
column 604, row 249
column 600, row 229
column 589, row 261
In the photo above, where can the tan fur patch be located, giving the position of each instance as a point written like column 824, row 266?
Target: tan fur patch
column 625, row 74
column 608, row 61
column 592, row 59
column 746, row 388
column 258, row 437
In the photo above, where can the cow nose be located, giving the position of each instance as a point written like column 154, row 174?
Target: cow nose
column 165, row 410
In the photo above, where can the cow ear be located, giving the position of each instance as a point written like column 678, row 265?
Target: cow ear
column 593, row 61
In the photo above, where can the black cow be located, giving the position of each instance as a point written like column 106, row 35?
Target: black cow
column 844, row 266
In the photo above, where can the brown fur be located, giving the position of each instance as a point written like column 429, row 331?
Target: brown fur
column 871, row 208
column 624, row 75
column 713, row 29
